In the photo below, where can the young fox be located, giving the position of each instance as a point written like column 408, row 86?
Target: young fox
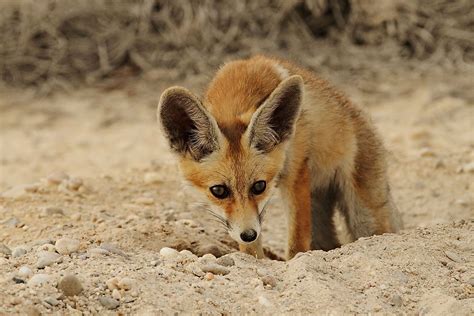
column 264, row 124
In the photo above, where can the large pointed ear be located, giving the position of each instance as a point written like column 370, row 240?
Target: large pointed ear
column 187, row 125
column 273, row 123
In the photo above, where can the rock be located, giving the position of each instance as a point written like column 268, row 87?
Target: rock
column 454, row 257
column 152, row 177
column 5, row 250
column 471, row 281
column 125, row 283
column 214, row 268
column 25, row 272
column 98, row 251
column 16, row 192
column 51, row 301
column 195, row 269
column 209, row 276
column 116, row 294
column 18, row 252
column 31, row 188
column 208, row 257
column 226, row 261
column 113, row 249
column 144, row 200
column 469, row 167
column 42, row 242
column 39, row 279
column 74, row 184
column 462, row 202
column 112, row 283
column 66, row 246
column 269, row 280
column 46, row 258
column 56, row 178
column 168, row 253
column 427, row 152
column 188, row 254
column 46, row 247
column 52, row 211
column 70, row 285
column 109, row 302
column 396, row 300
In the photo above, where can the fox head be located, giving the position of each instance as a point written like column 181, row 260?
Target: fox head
column 233, row 155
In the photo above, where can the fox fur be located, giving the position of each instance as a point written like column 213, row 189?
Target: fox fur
column 266, row 119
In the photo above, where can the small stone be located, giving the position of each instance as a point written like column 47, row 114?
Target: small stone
column 39, row 279
column 52, row 211
column 42, row 242
column 46, row 258
column 208, row 257
column 56, row 178
column 214, row 268
column 31, row 188
column 112, row 283
column 76, row 216
column 209, row 276
column 51, row 301
column 144, row 200
column 18, row 252
column 226, row 261
column 188, row 254
column 269, row 280
column 168, row 253
column 113, row 249
column 125, row 283
column 152, row 177
column 46, row 247
column 461, row 202
column 16, row 192
column 195, row 269
column 116, row 294
column 109, row 302
column 15, row 301
column 98, row 252
column 471, row 281
column 5, row 250
column 454, row 257
column 25, row 272
column 396, row 300
column 427, row 152
column 74, row 184
column 70, row 285
column 66, row 246
column 469, row 167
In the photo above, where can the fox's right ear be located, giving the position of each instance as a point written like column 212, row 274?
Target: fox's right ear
column 187, row 125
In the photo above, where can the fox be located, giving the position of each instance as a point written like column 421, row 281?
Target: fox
column 266, row 124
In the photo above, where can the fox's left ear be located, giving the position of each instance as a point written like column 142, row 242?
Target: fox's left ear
column 274, row 121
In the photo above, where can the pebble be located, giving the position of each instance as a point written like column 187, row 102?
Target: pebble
column 269, row 280
column 25, row 272
column 471, row 281
column 41, row 242
column 209, row 276
column 74, row 184
column 125, row 283
column 99, row 251
column 226, row 261
column 152, row 177
column 31, row 188
column 46, row 247
column 469, row 167
column 109, row 302
column 427, row 152
column 39, row 278
column 454, row 257
column 113, row 249
column 18, row 252
column 70, row 285
column 116, row 294
column 167, row 252
column 214, row 268
column 112, row 283
column 47, row 258
column 5, row 250
column 396, row 300
column 56, row 178
column 51, row 301
column 195, row 269
column 208, row 257
column 144, row 200
column 66, row 246
column 16, row 192
column 52, row 211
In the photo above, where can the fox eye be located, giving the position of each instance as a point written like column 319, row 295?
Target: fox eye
column 258, row 187
column 220, row 191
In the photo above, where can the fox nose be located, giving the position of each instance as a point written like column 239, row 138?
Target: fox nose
column 248, row 235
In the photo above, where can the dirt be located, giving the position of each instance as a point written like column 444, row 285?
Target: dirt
column 124, row 202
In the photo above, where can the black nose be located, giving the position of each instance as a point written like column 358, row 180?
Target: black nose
column 248, row 235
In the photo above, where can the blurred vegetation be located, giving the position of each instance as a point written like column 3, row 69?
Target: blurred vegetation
column 58, row 41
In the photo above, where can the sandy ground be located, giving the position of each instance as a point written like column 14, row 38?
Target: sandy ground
column 123, row 201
